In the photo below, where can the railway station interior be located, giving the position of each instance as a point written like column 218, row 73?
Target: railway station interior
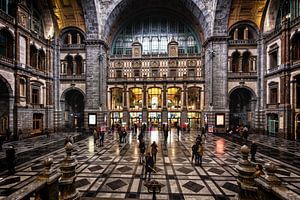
column 85, row 85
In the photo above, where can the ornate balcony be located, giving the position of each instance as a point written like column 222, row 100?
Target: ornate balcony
column 7, row 17
column 238, row 75
column 72, row 46
column 6, row 60
column 76, row 77
column 242, row 42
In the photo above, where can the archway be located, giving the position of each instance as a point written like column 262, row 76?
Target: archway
column 73, row 109
column 241, row 107
column 4, row 105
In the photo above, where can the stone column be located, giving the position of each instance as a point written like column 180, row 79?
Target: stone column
column 125, row 105
column 145, row 106
column 164, row 106
column 58, row 112
column 246, row 33
column 96, row 85
column 184, row 117
column 216, row 85
column 17, row 88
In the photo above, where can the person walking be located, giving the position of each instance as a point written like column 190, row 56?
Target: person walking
column 154, row 150
column 101, row 138
column 200, row 154
column 142, row 148
column 253, row 150
column 195, row 148
column 149, row 167
column 166, row 133
column 10, row 159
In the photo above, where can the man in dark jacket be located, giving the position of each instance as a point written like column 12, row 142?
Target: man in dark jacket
column 149, row 166
column 195, row 148
column 253, row 151
column 142, row 148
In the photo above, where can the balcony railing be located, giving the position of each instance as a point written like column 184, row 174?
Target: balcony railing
column 6, row 60
column 154, row 79
column 73, row 46
column 72, row 77
column 242, row 42
column 162, row 55
column 276, row 69
column 7, row 17
column 242, row 74
column 272, row 106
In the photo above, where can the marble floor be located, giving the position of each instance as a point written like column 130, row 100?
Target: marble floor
column 114, row 172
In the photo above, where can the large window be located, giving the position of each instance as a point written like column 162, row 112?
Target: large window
column 135, row 98
column 79, row 65
column 296, row 47
column 69, row 60
column 6, row 43
column 41, row 60
column 33, row 56
column 273, row 89
column 194, row 94
column 246, row 62
column 174, row 98
column 273, row 57
column 37, row 123
column 116, row 98
column 154, row 33
column 235, row 61
column 35, row 95
column 154, row 98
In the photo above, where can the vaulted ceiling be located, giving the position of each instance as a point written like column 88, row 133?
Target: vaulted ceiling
column 251, row 10
column 68, row 13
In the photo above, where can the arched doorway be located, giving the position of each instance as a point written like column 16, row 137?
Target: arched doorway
column 4, row 106
column 74, row 109
column 241, row 107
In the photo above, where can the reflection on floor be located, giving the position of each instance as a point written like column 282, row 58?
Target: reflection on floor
column 114, row 172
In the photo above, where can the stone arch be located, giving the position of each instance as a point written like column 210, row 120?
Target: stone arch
column 6, row 105
column 117, row 12
column 221, row 18
column 242, row 104
column 73, row 105
column 92, row 18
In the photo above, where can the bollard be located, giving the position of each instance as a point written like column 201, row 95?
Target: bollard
column 247, row 188
column 50, row 192
column 67, row 180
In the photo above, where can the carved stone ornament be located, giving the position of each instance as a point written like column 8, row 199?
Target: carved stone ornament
column 136, row 51
column 173, row 51
column 173, row 63
column 119, row 64
column 137, row 64
column 154, row 63
column 191, row 63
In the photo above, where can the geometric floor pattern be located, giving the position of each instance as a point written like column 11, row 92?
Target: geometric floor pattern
column 114, row 171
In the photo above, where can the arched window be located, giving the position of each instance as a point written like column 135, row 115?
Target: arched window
column 6, row 43
column 296, row 47
column 41, row 60
column 69, row 60
column 235, row 61
column 146, row 45
column 154, row 45
column 117, row 98
column 22, row 87
column 194, row 94
column 79, row 66
column 154, row 98
column 246, row 62
column 33, row 56
column 136, row 98
column 174, row 98
column 155, row 32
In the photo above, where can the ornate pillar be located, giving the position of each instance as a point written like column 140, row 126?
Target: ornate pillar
column 17, row 87
column 144, row 110
column 125, row 105
column 246, row 33
column 164, row 106
column 28, row 88
column 78, row 38
column 184, row 115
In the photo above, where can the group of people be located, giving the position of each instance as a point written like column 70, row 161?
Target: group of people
column 198, row 151
column 99, row 136
column 241, row 131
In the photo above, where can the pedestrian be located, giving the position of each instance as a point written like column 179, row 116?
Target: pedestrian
column 135, row 128
column 200, row 154
column 140, row 137
column 195, row 148
column 154, row 150
column 10, row 159
column 124, row 135
column 2, row 138
column 47, row 133
column 95, row 134
column 166, row 133
column 8, row 133
column 149, row 167
column 20, row 134
column 199, row 139
column 253, row 151
column 203, row 131
column 178, row 130
column 101, row 138
column 142, row 148
column 259, row 170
